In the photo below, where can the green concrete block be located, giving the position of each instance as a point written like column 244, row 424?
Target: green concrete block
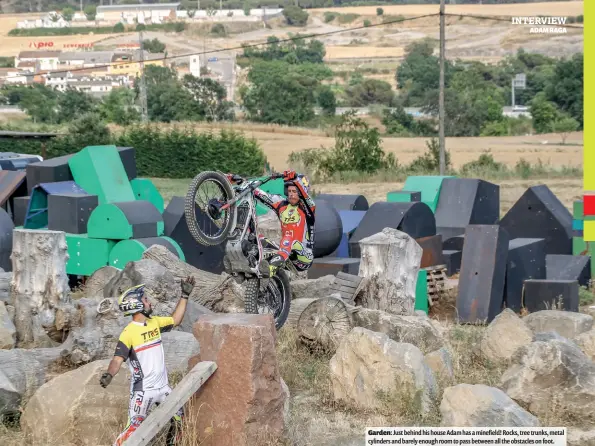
column 144, row 189
column 429, row 186
column 421, row 291
column 99, row 171
column 86, row 254
column 578, row 210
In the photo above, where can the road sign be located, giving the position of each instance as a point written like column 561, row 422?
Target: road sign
column 520, row 81
column 213, row 59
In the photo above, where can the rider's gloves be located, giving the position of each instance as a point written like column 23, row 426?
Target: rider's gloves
column 187, row 286
column 289, row 175
column 106, row 378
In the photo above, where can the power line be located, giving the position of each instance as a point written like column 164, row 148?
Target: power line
column 290, row 39
column 254, row 45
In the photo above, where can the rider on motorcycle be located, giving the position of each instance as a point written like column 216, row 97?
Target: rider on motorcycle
column 296, row 213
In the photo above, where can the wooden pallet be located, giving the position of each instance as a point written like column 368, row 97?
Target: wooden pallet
column 346, row 285
column 436, row 282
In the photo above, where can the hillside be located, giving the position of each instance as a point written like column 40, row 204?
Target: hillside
column 20, row 6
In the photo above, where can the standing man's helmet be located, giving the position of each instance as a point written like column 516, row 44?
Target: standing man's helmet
column 131, row 300
column 302, row 179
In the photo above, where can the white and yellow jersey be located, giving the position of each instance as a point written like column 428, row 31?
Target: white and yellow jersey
column 140, row 344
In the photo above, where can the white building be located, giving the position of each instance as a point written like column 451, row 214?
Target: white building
column 86, row 59
column 50, row 20
column 194, row 65
column 45, row 60
column 125, row 13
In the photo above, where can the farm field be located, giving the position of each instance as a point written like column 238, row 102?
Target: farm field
column 277, row 143
column 524, row 9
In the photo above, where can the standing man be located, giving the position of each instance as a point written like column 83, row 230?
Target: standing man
column 140, row 344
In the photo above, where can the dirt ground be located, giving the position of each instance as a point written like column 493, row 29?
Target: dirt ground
column 278, row 142
column 560, row 9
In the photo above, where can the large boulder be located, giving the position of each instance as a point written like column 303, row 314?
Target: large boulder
column 478, row 405
column 312, row 288
column 95, row 285
column 75, row 409
column 566, row 323
column 586, row 342
column 554, row 373
column 416, row 330
column 161, row 285
column 8, row 332
column 440, row 362
column 504, row 336
column 368, row 363
column 246, row 393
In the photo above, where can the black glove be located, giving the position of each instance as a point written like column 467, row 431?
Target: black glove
column 105, row 380
column 187, row 286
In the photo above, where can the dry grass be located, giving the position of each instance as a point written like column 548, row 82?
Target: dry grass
column 357, row 52
column 564, row 9
column 278, row 142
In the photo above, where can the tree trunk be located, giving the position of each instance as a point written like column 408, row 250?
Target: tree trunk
column 5, row 279
column 39, row 284
column 22, row 372
column 323, row 323
column 390, row 263
column 296, row 309
column 219, row 293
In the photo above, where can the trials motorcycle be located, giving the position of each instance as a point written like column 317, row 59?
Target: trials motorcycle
column 231, row 214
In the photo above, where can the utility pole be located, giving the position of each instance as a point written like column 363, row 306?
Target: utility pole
column 441, row 93
column 81, row 5
column 143, row 85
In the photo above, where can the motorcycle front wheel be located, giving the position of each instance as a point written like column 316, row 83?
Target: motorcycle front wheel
column 276, row 295
column 205, row 187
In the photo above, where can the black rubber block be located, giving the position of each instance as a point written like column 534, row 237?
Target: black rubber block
column 466, row 201
column 6, row 228
column 566, row 267
column 344, row 202
column 455, row 243
column 333, row 265
column 150, row 241
column 206, row 258
column 51, row 170
column 452, row 260
column 539, row 214
column 328, row 229
column 526, row 260
column 547, row 294
column 143, row 216
column 415, row 219
column 127, row 155
column 432, row 251
column 483, row 272
column 70, row 212
column 19, row 210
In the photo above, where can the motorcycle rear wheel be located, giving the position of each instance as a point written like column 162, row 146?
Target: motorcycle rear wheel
column 190, row 208
column 253, row 295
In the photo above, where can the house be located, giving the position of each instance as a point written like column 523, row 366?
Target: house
column 125, row 13
column 46, row 60
column 50, row 20
column 129, row 65
column 86, row 59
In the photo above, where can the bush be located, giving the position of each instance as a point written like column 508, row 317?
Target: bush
column 218, row 29
column 329, row 16
column 367, row 23
column 119, row 27
column 379, row 11
column 296, row 16
column 141, row 27
column 172, row 153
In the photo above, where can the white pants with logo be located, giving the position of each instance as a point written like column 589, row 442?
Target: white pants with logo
column 141, row 403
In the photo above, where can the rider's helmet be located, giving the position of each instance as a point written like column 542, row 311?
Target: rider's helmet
column 302, row 179
column 131, row 300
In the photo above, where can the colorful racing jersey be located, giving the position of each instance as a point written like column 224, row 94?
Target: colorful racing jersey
column 140, row 344
column 297, row 221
